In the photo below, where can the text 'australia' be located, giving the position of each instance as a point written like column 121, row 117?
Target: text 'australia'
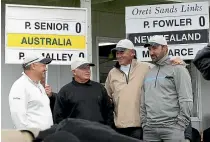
column 46, row 41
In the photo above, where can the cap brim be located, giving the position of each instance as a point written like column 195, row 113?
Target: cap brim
column 86, row 64
column 151, row 44
column 119, row 49
column 46, row 61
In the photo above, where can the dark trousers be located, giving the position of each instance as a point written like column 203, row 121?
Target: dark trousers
column 135, row 132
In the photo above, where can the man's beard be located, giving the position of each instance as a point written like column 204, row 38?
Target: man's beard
column 158, row 58
column 154, row 60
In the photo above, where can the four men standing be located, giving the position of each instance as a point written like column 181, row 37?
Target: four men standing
column 165, row 100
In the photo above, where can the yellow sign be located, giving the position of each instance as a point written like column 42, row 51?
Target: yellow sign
column 45, row 41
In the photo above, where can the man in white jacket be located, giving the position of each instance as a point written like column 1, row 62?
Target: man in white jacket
column 28, row 101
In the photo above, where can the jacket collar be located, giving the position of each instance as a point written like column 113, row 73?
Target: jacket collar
column 30, row 80
column 165, row 60
column 81, row 84
column 133, row 64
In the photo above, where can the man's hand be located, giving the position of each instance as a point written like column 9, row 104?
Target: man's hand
column 48, row 90
column 177, row 61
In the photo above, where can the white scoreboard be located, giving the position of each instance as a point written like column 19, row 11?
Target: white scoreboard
column 184, row 25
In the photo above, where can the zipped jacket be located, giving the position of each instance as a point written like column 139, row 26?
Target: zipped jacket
column 125, row 92
column 167, row 95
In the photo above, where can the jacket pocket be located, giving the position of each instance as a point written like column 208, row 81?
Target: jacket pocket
column 181, row 122
column 178, row 126
column 169, row 80
column 115, row 103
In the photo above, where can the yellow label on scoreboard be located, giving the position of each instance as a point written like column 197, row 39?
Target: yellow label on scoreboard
column 45, row 41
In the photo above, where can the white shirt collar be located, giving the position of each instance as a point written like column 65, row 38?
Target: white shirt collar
column 125, row 69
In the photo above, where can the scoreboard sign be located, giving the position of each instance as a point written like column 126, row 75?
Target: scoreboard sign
column 184, row 25
column 56, row 32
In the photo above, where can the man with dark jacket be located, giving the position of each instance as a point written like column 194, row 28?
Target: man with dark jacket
column 83, row 98
column 202, row 62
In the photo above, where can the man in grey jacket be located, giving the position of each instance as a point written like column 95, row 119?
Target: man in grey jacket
column 167, row 99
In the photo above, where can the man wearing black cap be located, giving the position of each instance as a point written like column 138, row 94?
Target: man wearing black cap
column 28, row 101
column 83, row 98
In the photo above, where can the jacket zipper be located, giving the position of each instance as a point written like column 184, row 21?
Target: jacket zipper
column 127, row 78
column 157, row 75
